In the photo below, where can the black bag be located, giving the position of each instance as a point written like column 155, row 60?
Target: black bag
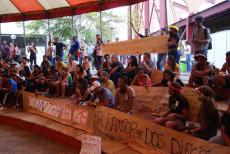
column 208, row 37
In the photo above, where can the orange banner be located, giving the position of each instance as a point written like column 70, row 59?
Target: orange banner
column 80, row 117
column 156, row 44
column 145, row 136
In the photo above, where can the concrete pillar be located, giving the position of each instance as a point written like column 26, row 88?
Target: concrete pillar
column 146, row 14
column 129, row 22
column 163, row 14
column 24, row 36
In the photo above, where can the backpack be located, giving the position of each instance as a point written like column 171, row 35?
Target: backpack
column 208, row 37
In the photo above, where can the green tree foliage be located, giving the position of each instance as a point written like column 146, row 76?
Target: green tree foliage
column 86, row 25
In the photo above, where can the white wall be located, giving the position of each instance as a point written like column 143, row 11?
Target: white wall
column 220, row 45
column 41, row 52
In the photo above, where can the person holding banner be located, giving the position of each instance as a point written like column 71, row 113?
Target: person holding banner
column 173, row 41
column 178, row 112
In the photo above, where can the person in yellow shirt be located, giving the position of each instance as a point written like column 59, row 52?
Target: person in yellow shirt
column 172, row 65
column 106, row 82
column 60, row 64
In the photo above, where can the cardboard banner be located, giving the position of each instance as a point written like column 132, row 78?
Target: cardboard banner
column 90, row 144
column 150, row 99
column 80, row 117
column 155, row 100
column 156, row 44
column 147, row 137
column 194, row 102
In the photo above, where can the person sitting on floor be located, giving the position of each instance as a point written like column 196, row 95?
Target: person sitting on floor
column 106, row 64
column 82, row 93
column 64, row 82
column 87, row 66
column 8, row 89
column 208, row 116
column 72, row 65
column 172, row 65
column 52, row 79
column 125, row 96
column 80, row 72
column 169, row 77
column 116, row 70
column 200, row 71
column 147, row 64
column 101, row 95
column 106, row 82
column 224, row 138
column 45, row 66
column 132, row 67
column 178, row 112
column 141, row 79
column 33, row 79
column 60, row 64
column 221, row 82
column 41, row 87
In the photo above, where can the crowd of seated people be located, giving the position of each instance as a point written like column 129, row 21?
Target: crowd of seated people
column 113, row 86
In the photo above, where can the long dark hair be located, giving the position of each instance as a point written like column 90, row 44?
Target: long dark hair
column 208, row 114
column 164, row 82
column 173, row 65
column 171, row 74
column 81, row 69
column 133, row 60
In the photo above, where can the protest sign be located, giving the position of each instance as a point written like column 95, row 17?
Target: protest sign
column 156, row 44
column 151, row 99
column 90, row 144
column 194, row 102
column 80, row 117
column 145, row 136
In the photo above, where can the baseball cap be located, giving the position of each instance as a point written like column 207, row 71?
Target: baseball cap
column 200, row 55
column 95, row 85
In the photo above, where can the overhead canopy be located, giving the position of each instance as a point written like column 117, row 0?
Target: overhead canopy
column 20, row 10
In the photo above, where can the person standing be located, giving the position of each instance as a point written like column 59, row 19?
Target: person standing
column 161, row 57
column 74, row 48
column 16, row 53
column 201, row 37
column 49, row 52
column 173, row 41
column 5, row 51
column 188, row 56
column 60, row 47
column 33, row 54
column 99, row 40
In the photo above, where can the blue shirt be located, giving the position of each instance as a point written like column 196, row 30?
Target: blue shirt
column 74, row 46
column 14, row 85
column 105, row 94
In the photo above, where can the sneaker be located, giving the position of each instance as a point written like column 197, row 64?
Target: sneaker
column 72, row 97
